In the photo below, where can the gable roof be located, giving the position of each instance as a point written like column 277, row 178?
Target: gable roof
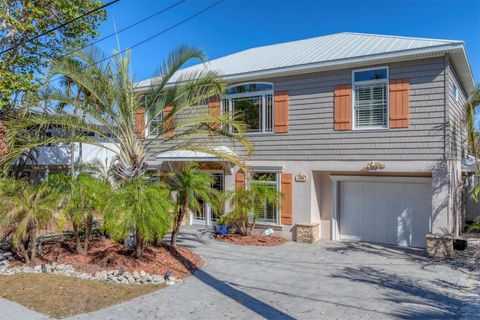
column 329, row 52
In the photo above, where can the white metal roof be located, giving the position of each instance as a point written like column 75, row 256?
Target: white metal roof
column 189, row 155
column 327, row 52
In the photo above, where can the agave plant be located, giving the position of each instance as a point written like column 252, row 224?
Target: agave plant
column 108, row 103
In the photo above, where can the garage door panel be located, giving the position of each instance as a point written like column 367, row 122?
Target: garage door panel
column 384, row 212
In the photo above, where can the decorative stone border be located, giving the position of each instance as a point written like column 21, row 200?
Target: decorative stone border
column 113, row 276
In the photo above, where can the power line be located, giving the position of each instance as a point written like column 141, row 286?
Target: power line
column 124, row 28
column 59, row 26
column 145, row 40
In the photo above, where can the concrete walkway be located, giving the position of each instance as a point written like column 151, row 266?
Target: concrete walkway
column 330, row 280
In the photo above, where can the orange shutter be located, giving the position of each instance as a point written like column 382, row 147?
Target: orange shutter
column 286, row 203
column 140, row 122
column 343, row 108
column 168, row 122
column 399, row 104
column 214, row 110
column 239, row 180
column 281, row 112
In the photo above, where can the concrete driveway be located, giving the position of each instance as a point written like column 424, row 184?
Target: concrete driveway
column 330, row 280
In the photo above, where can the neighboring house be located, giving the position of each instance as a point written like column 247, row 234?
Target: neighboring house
column 362, row 133
column 57, row 158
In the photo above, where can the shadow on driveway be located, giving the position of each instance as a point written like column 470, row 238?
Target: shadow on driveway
column 417, row 301
column 259, row 307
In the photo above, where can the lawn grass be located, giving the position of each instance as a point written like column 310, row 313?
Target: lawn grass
column 60, row 296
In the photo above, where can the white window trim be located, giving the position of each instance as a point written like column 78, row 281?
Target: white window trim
column 277, row 186
column 261, row 93
column 455, row 96
column 387, row 82
column 147, row 126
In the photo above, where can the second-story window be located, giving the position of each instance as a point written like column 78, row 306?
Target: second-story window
column 155, row 123
column 370, row 101
column 251, row 103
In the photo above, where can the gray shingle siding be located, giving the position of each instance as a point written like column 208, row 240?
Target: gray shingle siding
column 455, row 132
column 311, row 135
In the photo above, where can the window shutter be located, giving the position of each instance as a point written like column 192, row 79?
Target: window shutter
column 214, row 110
column 399, row 103
column 281, row 112
column 168, row 122
column 140, row 123
column 239, row 180
column 343, row 108
column 286, row 203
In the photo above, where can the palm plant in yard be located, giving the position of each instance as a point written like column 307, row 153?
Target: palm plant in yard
column 83, row 197
column 142, row 206
column 249, row 204
column 109, row 105
column 471, row 108
column 24, row 209
column 191, row 186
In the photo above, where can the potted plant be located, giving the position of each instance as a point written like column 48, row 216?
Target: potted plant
column 223, row 225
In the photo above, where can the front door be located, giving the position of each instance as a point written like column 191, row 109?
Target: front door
column 207, row 215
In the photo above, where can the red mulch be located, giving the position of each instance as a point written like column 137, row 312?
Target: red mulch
column 105, row 254
column 251, row 240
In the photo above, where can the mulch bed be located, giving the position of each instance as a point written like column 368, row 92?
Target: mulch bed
column 251, row 240
column 105, row 254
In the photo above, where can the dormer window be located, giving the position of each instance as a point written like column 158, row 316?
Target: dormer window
column 251, row 103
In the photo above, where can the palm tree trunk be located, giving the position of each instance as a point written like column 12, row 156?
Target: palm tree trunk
column 88, row 230
column 138, row 245
column 33, row 244
column 3, row 146
column 26, row 251
column 178, row 222
column 76, row 236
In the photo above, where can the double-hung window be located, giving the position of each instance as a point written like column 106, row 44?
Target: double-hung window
column 269, row 212
column 252, row 104
column 370, row 102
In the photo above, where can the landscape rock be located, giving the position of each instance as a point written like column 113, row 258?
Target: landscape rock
column 113, row 276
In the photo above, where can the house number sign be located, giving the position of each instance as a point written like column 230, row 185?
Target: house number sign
column 301, row 177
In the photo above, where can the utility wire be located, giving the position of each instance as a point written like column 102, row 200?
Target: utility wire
column 124, row 28
column 143, row 41
column 59, row 26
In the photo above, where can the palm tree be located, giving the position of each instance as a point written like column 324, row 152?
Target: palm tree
column 24, row 209
column 249, row 204
column 109, row 104
column 190, row 186
column 139, row 205
column 471, row 107
column 84, row 197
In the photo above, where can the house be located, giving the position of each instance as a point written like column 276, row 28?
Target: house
column 362, row 133
column 58, row 157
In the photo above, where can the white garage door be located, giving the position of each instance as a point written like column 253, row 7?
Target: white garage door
column 394, row 213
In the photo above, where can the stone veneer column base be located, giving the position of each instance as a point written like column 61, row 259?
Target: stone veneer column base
column 307, row 233
column 440, row 247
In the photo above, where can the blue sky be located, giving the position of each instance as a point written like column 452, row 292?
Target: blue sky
column 235, row 25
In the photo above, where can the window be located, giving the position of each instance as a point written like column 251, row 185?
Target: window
column 251, row 103
column 270, row 212
column 370, row 107
column 155, row 125
column 454, row 91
